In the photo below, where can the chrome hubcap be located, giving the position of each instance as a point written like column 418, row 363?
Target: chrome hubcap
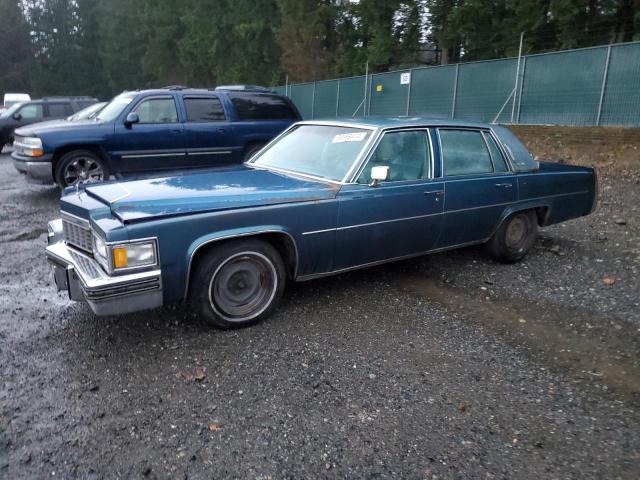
column 83, row 170
column 243, row 286
column 516, row 232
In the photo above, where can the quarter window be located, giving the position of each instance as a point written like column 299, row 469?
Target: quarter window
column 157, row 110
column 32, row 110
column 496, row 155
column 204, row 109
column 464, row 152
column 406, row 154
column 254, row 106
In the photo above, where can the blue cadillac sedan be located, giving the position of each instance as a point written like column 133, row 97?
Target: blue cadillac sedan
column 320, row 199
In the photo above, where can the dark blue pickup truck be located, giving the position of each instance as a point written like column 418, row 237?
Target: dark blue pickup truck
column 154, row 130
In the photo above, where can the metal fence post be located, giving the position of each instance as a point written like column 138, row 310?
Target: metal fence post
column 604, row 85
column 338, row 100
column 409, row 90
column 515, row 87
column 313, row 101
column 524, row 69
column 455, row 92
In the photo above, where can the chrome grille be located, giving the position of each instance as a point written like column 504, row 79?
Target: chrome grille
column 77, row 235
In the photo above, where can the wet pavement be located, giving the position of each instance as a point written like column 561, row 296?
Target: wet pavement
column 448, row 366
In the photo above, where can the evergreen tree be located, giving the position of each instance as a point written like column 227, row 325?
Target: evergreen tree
column 15, row 54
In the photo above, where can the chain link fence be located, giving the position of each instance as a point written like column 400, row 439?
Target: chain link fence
column 585, row 87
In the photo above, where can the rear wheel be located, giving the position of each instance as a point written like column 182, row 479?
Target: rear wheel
column 238, row 284
column 80, row 166
column 515, row 237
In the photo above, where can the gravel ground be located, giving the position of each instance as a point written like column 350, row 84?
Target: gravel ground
column 449, row 366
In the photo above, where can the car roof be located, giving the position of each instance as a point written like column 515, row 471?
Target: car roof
column 398, row 122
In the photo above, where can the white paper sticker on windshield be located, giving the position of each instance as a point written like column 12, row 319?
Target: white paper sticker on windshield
column 349, row 137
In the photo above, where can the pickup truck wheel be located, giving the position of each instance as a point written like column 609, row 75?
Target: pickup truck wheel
column 238, row 283
column 515, row 237
column 80, row 166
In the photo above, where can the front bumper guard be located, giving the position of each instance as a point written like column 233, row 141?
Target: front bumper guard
column 83, row 278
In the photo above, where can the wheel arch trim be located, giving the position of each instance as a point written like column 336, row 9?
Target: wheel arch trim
column 521, row 207
column 206, row 240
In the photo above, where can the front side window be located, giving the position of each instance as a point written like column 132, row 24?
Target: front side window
column 157, row 110
column 406, row 154
column 204, row 109
column 254, row 106
column 324, row 151
column 32, row 110
column 464, row 152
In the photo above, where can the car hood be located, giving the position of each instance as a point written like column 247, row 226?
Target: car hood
column 52, row 126
column 213, row 190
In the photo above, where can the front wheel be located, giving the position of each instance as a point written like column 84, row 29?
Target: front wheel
column 515, row 237
column 238, row 284
column 80, row 166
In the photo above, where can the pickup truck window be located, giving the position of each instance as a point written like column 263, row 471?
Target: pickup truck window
column 496, row 155
column 32, row 110
column 204, row 109
column 261, row 107
column 464, row 152
column 405, row 153
column 157, row 110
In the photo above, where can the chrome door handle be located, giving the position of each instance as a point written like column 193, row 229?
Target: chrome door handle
column 504, row 185
column 437, row 193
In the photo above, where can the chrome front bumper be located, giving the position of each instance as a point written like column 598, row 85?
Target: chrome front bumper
column 85, row 280
column 36, row 172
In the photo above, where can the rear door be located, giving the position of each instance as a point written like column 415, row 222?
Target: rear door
column 478, row 185
column 208, row 131
column 156, row 142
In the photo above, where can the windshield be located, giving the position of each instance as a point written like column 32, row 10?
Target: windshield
column 11, row 110
column 115, row 107
column 319, row 150
column 88, row 112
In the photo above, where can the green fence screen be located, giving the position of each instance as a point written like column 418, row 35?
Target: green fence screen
column 589, row 86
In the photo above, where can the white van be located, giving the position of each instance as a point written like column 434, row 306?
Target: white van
column 11, row 98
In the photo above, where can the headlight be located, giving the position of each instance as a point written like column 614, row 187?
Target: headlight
column 30, row 146
column 130, row 255
column 124, row 256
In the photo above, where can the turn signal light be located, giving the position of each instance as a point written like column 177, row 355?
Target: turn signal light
column 120, row 258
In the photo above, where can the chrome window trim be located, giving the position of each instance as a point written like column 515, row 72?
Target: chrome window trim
column 241, row 235
column 371, row 151
column 501, row 147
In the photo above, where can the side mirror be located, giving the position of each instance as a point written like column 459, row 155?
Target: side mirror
column 17, row 116
column 131, row 119
column 379, row 174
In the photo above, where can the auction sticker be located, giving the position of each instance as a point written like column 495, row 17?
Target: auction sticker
column 349, row 137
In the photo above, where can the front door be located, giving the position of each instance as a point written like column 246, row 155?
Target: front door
column 395, row 218
column 209, row 134
column 156, row 142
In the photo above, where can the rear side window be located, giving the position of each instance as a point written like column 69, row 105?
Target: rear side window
column 204, row 109
column 59, row 109
column 496, row 155
column 252, row 106
column 464, row 152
